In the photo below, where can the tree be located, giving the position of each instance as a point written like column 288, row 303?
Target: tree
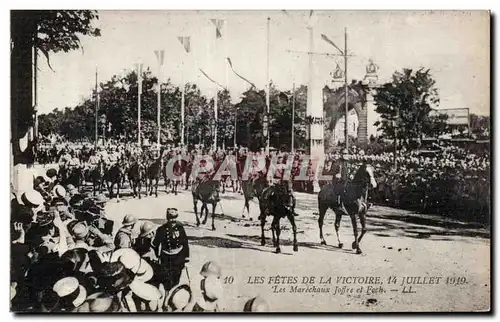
column 49, row 31
column 405, row 106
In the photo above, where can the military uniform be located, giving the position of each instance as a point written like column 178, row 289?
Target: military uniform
column 172, row 249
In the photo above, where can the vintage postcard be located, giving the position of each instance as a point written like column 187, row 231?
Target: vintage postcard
column 250, row 161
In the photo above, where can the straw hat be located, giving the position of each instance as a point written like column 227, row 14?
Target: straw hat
column 59, row 191
column 211, row 287
column 30, row 198
column 180, row 297
column 145, row 291
column 256, row 304
column 69, row 289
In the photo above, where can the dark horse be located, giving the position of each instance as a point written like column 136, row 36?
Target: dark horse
column 350, row 199
column 153, row 173
column 206, row 191
column 252, row 187
column 135, row 176
column 114, row 176
column 71, row 175
column 277, row 201
column 97, row 177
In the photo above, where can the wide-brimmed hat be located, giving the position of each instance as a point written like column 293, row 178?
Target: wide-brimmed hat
column 179, row 297
column 51, row 173
column 145, row 291
column 114, row 277
column 256, row 304
column 30, row 198
column 44, row 218
column 172, row 213
column 146, row 228
column 59, row 191
column 100, row 303
column 79, row 230
column 128, row 257
column 211, row 288
column 71, row 293
column 129, row 220
column 210, row 268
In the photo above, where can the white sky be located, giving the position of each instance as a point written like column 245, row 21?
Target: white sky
column 454, row 45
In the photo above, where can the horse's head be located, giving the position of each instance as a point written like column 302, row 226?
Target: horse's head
column 366, row 175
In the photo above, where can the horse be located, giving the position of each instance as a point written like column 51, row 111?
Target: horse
column 350, row 199
column 277, row 201
column 178, row 168
column 153, row 172
column 135, row 175
column 97, row 177
column 252, row 187
column 113, row 176
column 206, row 191
column 71, row 175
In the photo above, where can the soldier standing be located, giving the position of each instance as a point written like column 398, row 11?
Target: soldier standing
column 172, row 249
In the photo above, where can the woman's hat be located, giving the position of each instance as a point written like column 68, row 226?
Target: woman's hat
column 71, row 293
column 256, row 304
column 146, row 228
column 180, row 297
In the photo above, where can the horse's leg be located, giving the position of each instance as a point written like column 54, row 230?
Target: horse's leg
column 262, row 224
column 204, row 208
column 138, row 185
column 291, row 218
column 157, row 179
column 322, row 213
column 276, row 227
column 355, row 244
column 195, row 206
column 214, row 204
column 362, row 220
column 247, row 206
column 338, row 220
column 118, row 190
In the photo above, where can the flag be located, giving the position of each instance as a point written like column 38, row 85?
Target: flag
column 218, row 26
column 186, row 42
column 213, row 81
column 325, row 38
column 160, row 54
column 243, row 78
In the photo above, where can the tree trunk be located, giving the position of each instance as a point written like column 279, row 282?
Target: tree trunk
column 23, row 31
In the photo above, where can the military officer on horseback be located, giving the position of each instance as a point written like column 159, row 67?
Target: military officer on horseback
column 171, row 248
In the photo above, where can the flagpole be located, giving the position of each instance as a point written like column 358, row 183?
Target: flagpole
column 96, row 110
column 139, row 92
column 159, row 56
column 268, row 85
column 346, row 136
column 293, row 119
column 215, row 115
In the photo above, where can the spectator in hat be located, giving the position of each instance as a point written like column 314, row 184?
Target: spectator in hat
column 143, row 244
column 256, row 304
column 206, row 295
column 124, row 237
column 171, row 248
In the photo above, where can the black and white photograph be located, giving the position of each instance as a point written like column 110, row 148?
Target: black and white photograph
column 257, row 161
